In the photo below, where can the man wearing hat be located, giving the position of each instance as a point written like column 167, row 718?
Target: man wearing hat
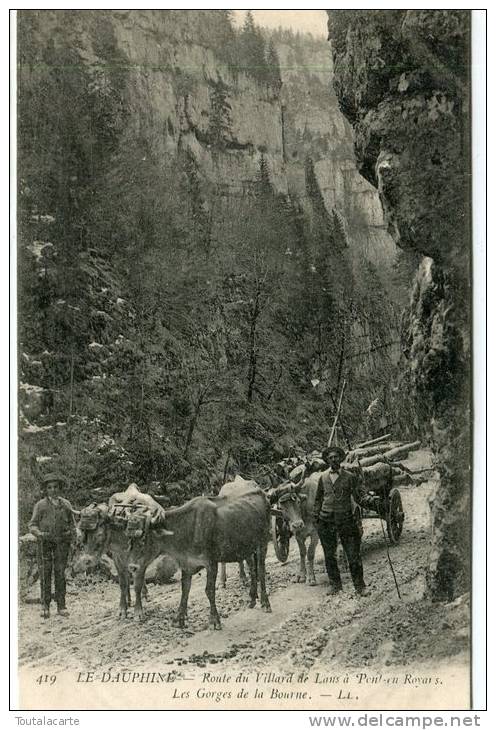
column 333, row 518
column 52, row 523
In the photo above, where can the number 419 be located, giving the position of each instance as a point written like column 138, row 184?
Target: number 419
column 47, row 679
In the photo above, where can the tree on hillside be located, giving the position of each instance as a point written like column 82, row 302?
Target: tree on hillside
column 175, row 323
column 261, row 234
column 64, row 150
column 264, row 187
column 216, row 31
column 220, row 124
column 338, row 229
column 273, row 67
column 252, row 50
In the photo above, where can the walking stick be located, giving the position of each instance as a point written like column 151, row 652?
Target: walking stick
column 389, row 559
column 42, row 572
column 386, row 542
column 384, row 535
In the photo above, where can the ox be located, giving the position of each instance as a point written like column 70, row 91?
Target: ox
column 202, row 533
column 296, row 505
column 231, row 489
column 102, row 529
column 96, row 536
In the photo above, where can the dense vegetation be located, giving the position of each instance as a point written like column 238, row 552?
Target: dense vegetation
column 168, row 332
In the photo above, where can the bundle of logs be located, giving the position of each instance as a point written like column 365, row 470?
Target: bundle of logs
column 380, row 449
column 378, row 461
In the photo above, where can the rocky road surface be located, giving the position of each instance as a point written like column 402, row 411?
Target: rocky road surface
column 306, row 628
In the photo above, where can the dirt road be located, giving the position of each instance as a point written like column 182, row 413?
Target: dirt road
column 306, row 629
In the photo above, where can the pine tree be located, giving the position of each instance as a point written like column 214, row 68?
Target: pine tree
column 216, row 31
column 338, row 230
column 252, row 49
column 264, row 188
column 273, row 66
column 220, row 126
column 262, row 73
column 249, row 24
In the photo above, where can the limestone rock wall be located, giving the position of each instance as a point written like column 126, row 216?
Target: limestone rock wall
column 174, row 80
column 315, row 127
column 402, row 80
column 178, row 98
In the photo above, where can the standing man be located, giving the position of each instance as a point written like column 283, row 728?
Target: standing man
column 333, row 518
column 52, row 523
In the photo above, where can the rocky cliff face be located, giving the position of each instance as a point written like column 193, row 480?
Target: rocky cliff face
column 315, row 128
column 170, row 192
column 402, row 80
column 179, row 87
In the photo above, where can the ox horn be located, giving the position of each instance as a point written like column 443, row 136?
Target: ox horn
column 165, row 532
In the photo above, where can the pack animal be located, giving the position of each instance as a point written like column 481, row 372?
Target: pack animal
column 102, row 530
column 202, row 533
column 231, row 489
column 96, row 537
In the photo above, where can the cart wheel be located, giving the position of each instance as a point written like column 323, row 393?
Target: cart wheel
column 395, row 516
column 281, row 535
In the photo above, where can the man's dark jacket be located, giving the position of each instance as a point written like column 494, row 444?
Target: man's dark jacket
column 53, row 521
column 333, row 501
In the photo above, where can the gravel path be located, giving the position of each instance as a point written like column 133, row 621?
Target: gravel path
column 307, row 629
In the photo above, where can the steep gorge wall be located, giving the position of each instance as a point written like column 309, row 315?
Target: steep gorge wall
column 402, row 80
column 167, row 145
column 172, row 86
column 316, row 131
column 316, row 128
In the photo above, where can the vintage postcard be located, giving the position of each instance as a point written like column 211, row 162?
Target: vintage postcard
column 244, row 359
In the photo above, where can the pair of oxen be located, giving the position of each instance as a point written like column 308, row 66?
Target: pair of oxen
column 231, row 527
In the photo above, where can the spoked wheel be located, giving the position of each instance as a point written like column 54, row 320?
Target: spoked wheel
column 395, row 516
column 281, row 535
